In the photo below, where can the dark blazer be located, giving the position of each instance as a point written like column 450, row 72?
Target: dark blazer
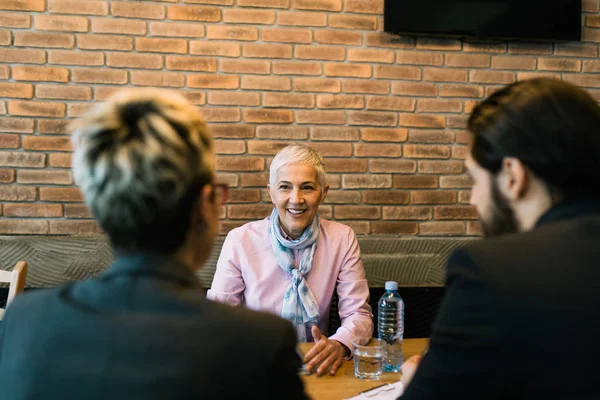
column 143, row 330
column 520, row 315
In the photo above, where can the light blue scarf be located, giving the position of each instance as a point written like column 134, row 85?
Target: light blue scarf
column 299, row 304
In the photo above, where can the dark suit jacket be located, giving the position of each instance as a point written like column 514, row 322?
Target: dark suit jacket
column 520, row 315
column 143, row 330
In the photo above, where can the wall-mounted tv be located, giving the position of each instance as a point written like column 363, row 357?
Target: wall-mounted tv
column 555, row 20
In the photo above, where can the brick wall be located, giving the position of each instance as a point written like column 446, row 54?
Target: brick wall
column 388, row 113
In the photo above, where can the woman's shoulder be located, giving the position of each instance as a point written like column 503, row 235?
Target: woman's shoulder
column 251, row 237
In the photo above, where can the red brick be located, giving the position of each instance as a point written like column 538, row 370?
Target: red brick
column 331, row 36
column 75, row 57
column 119, row 26
column 372, row 118
column 514, row 62
column 348, row 70
column 267, row 50
column 16, row 90
column 232, row 131
column 77, row 211
column 61, row 23
column 455, row 212
column 340, row 101
column 297, row 18
column 60, row 160
column 54, row 126
column 75, row 110
column 450, row 90
column 241, row 16
column 342, row 197
column 61, row 194
column 365, row 86
column 332, row 149
column 222, row 49
column 455, row 181
column 176, row 29
column 82, row 228
column 333, row 53
column 23, row 5
column 321, row 117
column 264, row 3
column 320, row 5
column 460, row 152
column 212, row 2
column 254, row 180
column 521, row 76
column 364, row 6
column 161, row 45
column 17, row 193
column 353, row 22
column 268, row 116
column 127, row 60
column 104, row 42
column 385, row 197
column 133, row 10
column 46, row 143
column 406, row 213
column 468, row 60
column 288, row 100
column 485, row 47
column 36, row 108
column 445, row 75
column 377, row 150
column 317, row 85
column 425, row 43
column 159, row 78
column 415, row 181
column 583, row 80
column 221, row 114
column 426, row 151
column 345, row 165
column 255, row 211
column 433, row 197
column 82, row 75
column 441, row 228
column 210, row 81
column 440, row 167
column 474, row 228
column 88, row 7
column 23, row 226
column 266, row 83
column 244, row 196
column 419, row 58
column 371, row 56
column 530, row 48
column 357, row 212
column 591, row 66
column 559, row 64
column 395, row 228
column 5, row 38
column 194, row 13
column 359, row 227
column 296, row 68
column 590, row 6
column 439, row 105
column 384, row 134
column 32, row 210
column 390, row 103
column 422, row 121
column 282, row 132
column 9, row 141
column 395, row 72
column 388, row 40
column 229, row 147
column 245, row 67
column 232, row 33
column 43, row 74
column 265, row 147
column 22, row 159
column 414, row 89
column 457, row 121
column 233, row 98
column 15, row 20
column 286, row 35
column 7, row 176
column 366, row 181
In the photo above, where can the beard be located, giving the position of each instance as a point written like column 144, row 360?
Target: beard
column 501, row 219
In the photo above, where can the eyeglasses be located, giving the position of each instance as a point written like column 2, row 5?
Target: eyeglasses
column 221, row 193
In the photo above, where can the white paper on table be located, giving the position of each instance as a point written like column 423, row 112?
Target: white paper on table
column 391, row 391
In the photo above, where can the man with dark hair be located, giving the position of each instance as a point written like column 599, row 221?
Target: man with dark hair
column 518, row 319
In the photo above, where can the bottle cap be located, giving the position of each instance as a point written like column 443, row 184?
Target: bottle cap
column 391, row 285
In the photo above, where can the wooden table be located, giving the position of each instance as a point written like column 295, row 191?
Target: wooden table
column 344, row 384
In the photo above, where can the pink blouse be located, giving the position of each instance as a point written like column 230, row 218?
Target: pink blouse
column 248, row 274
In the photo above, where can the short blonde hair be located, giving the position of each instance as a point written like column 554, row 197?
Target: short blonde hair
column 140, row 159
column 298, row 154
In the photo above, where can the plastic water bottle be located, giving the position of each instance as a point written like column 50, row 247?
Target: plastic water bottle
column 390, row 325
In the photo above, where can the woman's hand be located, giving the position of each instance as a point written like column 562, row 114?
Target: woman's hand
column 326, row 354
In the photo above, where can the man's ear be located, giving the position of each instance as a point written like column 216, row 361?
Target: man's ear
column 204, row 207
column 325, row 191
column 514, row 178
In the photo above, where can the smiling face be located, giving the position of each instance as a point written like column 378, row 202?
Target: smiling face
column 297, row 195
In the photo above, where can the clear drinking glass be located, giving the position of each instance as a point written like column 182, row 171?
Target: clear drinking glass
column 368, row 358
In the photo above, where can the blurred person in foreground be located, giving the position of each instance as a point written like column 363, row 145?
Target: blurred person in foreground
column 519, row 316
column 290, row 263
column 143, row 329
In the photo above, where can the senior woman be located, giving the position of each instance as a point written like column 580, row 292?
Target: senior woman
column 143, row 330
column 290, row 263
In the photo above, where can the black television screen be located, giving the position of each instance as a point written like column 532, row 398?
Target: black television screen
column 558, row 20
